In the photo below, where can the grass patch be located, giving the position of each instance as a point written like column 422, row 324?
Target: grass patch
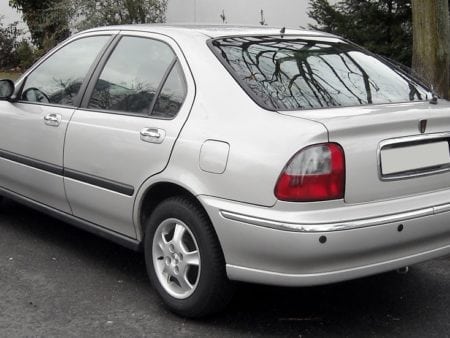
column 7, row 75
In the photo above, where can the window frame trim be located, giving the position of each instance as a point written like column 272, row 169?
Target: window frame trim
column 84, row 106
column 20, row 85
column 161, row 85
column 176, row 63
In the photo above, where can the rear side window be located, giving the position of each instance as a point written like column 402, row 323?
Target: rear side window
column 58, row 79
column 172, row 94
column 132, row 75
column 293, row 73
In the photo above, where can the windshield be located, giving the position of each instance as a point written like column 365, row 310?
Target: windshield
column 298, row 73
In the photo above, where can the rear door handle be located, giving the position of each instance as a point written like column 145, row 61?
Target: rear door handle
column 153, row 135
column 53, row 120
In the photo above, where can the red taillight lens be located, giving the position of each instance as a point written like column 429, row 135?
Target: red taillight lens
column 315, row 173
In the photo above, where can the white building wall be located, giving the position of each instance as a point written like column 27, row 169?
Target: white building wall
column 281, row 13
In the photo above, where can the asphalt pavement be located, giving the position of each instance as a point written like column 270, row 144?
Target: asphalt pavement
column 56, row 280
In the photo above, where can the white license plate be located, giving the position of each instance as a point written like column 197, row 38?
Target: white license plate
column 397, row 160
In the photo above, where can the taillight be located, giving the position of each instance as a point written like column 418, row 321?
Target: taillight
column 315, row 173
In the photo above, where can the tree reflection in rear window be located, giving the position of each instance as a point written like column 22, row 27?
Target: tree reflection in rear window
column 293, row 73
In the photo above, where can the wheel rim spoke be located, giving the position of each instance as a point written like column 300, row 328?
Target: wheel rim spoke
column 176, row 258
column 184, row 283
column 192, row 258
column 162, row 246
column 178, row 235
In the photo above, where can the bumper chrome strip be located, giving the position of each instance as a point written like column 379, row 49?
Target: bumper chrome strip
column 335, row 226
column 442, row 208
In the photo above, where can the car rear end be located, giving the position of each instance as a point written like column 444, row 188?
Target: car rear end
column 371, row 196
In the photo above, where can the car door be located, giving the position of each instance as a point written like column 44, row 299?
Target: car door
column 136, row 105
column 33, row 128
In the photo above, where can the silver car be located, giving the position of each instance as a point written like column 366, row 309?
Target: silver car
column 284, row 157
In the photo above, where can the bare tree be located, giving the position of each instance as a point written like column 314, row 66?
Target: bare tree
column 431, row 43
column 89, row 13
column 47, row 20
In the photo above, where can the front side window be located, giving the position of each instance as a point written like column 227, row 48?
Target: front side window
column 59, row 78
column 132, row 76
column 292, row 73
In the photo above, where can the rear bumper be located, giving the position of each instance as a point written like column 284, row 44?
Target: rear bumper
column 267, row 246
column 284, row 279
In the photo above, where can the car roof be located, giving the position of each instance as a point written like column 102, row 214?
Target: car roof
column 213, row 31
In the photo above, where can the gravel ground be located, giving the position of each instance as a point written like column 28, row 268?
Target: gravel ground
column 56, row 280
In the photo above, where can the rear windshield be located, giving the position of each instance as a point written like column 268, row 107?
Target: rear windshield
column 297, row 73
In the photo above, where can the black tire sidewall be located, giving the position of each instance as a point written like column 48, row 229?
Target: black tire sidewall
column 212, row 265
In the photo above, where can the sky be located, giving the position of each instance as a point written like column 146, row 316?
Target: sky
column 9, row 14
column 281, row 13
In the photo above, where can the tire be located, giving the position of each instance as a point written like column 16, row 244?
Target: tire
column 178, row 236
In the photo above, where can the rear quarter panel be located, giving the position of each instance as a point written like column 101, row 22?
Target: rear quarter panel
column 261, row 142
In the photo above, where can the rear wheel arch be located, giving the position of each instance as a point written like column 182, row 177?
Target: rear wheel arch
column 157, row 193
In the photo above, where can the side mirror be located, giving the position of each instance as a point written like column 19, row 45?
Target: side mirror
column 6, row 89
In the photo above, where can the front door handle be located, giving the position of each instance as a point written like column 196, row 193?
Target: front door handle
column 153, row 135
column 53, row 120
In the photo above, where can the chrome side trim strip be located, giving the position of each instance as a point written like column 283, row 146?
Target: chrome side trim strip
column 335, row 226
column 442, row 208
